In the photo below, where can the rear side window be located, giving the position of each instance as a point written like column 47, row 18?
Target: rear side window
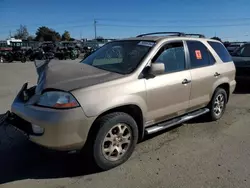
column 221, row 51
column 199, row 54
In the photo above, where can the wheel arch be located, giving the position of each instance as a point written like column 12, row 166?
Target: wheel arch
column 226, row 87
column 131, row 109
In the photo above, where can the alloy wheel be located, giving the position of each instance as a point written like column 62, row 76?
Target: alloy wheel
column 219, row 104
column 116, row 142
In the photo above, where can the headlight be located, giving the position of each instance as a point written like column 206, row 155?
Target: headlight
column 57, row 99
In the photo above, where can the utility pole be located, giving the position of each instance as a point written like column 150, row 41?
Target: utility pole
column 95, row 27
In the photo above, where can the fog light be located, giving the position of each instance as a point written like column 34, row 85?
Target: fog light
column 37, row 129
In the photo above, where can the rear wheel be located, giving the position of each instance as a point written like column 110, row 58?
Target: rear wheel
column 218, row 104
column 72, row 57
column 115, row 140
column 10, row 59
column 31, row 58
column 23, row 59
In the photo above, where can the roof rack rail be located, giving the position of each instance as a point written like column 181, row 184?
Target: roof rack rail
column 194, row 34
column 157, row 33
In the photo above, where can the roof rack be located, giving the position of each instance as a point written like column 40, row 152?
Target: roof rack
column 173, row 34
column 194, row 34
column 157, row 33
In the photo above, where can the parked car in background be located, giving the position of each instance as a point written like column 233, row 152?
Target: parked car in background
column 241, row 58
column 124, row 90
column 233, row 46
column 67, row 50
column 13, row 50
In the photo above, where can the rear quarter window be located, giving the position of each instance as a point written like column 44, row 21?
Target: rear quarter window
column 221, row 51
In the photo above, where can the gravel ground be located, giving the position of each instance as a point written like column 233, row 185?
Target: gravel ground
column 195, row 154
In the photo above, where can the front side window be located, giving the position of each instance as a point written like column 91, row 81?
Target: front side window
column 122, row 57
column 199, row 54
column 172, row 56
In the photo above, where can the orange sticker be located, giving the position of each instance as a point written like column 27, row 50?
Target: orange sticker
column 198, row 54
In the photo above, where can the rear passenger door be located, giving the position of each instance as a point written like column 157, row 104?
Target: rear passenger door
column 203, row 74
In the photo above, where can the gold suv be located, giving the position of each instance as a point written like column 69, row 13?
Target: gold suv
column 124, row 90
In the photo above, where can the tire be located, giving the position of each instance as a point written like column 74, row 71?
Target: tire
column 23, row 59
column 10, row 59
column 216, row 114
column 108, row 125
column 60, row 56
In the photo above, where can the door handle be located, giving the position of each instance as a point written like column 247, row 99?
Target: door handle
column 186, row 81
column 216, row 74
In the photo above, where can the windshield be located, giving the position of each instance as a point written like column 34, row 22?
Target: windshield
column 122, row 57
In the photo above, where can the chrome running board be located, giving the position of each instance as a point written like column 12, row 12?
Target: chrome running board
column 175, row 121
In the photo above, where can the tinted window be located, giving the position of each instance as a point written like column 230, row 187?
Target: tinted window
column 221, row 51
column 199, row 54
column 173, row 57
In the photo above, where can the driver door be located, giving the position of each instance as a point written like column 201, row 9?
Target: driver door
column 168, row 94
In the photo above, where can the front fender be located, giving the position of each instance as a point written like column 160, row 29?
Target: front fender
column 101, row 98
column 101, row 106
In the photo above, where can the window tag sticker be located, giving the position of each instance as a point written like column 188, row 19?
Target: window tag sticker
column 198, row 54
column 145, row 43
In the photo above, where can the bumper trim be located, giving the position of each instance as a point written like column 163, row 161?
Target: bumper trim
column 22, row 125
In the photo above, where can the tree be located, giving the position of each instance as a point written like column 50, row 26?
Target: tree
column 46, row 34
column 22, row 33
column 30, row 38
column 66, row 36
column 217, row 38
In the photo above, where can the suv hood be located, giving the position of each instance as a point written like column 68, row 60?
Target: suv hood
column 69, row 76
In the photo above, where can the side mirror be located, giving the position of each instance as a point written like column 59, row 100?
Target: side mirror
column 157, row 68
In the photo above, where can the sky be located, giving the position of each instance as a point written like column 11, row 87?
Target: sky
column 227, row 19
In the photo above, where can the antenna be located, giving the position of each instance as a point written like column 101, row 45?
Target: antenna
column 95, row 27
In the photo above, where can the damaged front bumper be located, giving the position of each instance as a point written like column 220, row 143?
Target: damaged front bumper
column 10, row 118
column 22, row 125
column 57, row 129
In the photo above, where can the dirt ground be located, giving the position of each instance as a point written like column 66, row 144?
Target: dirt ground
column 196, row 154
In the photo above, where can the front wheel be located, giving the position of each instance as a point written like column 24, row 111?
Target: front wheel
column 218, row 104
column 115, row 140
